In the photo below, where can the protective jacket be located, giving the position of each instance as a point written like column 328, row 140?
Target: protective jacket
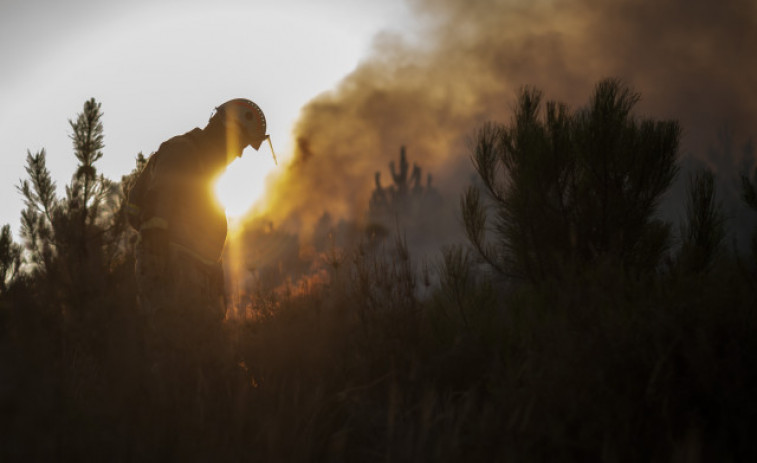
column 174, row 192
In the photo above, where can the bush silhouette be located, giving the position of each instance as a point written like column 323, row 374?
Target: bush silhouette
column 571, row 187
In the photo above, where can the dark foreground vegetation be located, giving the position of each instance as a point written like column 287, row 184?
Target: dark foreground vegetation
column 574, row 326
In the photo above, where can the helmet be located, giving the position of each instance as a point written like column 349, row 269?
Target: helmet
column 246, row 116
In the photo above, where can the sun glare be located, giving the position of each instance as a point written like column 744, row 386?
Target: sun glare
column 242, row 186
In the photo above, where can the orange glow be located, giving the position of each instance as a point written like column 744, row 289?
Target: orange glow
column 243, row 185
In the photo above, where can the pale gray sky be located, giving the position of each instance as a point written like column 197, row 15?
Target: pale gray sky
column 159, row 67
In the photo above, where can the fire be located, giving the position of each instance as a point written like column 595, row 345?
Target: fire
column 243, row 185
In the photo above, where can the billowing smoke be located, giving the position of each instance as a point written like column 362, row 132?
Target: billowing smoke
column 692, row 60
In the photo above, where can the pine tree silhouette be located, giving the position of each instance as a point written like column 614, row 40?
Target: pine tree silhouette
column 749, row 195
column 404, row 199
column 572, row 187
column 10, row 259
column 703, row 232
column 72, row 242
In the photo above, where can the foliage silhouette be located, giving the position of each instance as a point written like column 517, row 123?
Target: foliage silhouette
column 749, row 195
column 75, row 285
column 703, row 232
column 10, row 258
column 405, row 198
column 569, row 188
column 80, row 225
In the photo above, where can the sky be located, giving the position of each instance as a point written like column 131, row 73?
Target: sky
column 160, row 67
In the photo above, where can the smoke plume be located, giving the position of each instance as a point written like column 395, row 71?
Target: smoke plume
column 429, row 89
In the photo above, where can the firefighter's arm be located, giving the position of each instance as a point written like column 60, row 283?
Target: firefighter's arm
column 170, row 182
column 168, row 185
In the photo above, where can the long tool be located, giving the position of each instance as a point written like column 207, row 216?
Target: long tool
column 268, row 137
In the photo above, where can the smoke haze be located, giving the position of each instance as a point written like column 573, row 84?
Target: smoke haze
column 693, row 61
